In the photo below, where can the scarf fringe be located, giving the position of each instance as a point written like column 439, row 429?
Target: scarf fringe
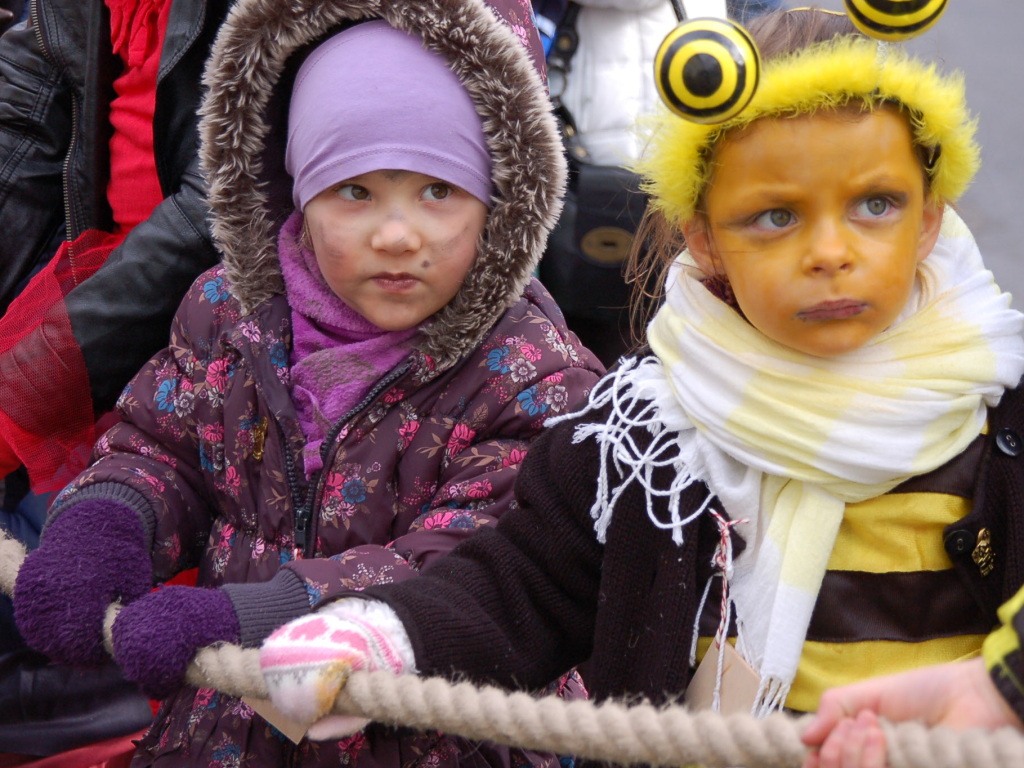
column 771, row 695
column 635, row 405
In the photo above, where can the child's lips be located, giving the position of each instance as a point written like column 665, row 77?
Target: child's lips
column 833, row 310
column 395, row 281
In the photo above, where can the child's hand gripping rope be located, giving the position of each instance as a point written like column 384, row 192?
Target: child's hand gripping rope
column 91, row 555
column 306, row 663
column 157, row 636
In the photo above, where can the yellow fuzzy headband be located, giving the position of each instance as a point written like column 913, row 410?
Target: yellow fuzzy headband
column 823, row 76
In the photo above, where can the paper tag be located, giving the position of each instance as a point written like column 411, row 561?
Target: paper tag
column 265, row 709
column 740, row 682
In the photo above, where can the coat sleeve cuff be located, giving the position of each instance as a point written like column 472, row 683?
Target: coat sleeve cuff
column 116, row 492
column 263, row 607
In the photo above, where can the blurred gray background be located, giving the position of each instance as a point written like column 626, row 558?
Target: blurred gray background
column 982, row 38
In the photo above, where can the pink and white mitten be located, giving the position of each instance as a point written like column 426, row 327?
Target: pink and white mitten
column 307, row 662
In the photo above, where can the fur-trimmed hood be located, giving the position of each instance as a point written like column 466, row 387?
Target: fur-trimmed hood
column 494, row 51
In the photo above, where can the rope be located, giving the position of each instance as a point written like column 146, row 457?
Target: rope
column 611, row 731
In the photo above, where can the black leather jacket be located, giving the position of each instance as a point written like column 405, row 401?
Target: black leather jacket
column 56, row 75
column 56, row 82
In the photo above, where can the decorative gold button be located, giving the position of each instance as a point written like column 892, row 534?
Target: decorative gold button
column 982, row 555
column 259, row 438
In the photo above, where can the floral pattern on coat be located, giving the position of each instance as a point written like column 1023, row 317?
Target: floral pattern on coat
column 210, row 442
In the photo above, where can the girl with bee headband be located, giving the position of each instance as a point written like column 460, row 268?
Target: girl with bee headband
column 815, row 459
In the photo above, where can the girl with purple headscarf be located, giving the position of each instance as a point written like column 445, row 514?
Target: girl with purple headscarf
column 352, row 391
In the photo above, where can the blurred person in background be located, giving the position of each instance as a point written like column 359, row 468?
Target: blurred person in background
column 601, row 56
column 104, row 220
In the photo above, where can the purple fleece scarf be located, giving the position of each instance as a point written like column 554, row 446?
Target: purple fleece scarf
column 337, row 354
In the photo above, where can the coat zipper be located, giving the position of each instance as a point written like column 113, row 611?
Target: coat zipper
column 33, row 11
column 304, row 517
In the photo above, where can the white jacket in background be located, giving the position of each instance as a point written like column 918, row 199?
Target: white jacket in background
column 611, row 82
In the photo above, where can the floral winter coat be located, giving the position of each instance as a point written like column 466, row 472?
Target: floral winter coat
column 211, row 440
column 209, row 450
column 211, row 447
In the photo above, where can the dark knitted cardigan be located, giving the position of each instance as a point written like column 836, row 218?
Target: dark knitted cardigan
column 519, row 604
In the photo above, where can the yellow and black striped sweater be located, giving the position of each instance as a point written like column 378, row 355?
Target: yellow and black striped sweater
column 891, row 599
column 1004, row 658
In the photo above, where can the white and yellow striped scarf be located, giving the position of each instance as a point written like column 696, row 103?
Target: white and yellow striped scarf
column 785, row 440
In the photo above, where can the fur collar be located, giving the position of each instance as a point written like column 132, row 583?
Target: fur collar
column 242, row 134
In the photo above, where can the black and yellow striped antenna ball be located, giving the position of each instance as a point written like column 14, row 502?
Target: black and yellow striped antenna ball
column 707, row 69
column 894, row 20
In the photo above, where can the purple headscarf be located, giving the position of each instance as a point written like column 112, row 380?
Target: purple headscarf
column 372, row 98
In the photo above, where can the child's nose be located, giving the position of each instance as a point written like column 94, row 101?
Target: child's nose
column 396, row 234
column 829, row 251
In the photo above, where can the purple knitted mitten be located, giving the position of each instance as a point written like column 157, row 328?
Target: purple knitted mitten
column 92, row 554
column 157, row 636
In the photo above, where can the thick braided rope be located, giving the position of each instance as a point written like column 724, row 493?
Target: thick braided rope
column 612, row 732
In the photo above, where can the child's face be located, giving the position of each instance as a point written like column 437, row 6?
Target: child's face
column 395, row 245
column 819, row 223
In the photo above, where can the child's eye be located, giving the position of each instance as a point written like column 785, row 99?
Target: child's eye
column 874, row 207
column 777, row 218
column 353, row 192
column 437, row 191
